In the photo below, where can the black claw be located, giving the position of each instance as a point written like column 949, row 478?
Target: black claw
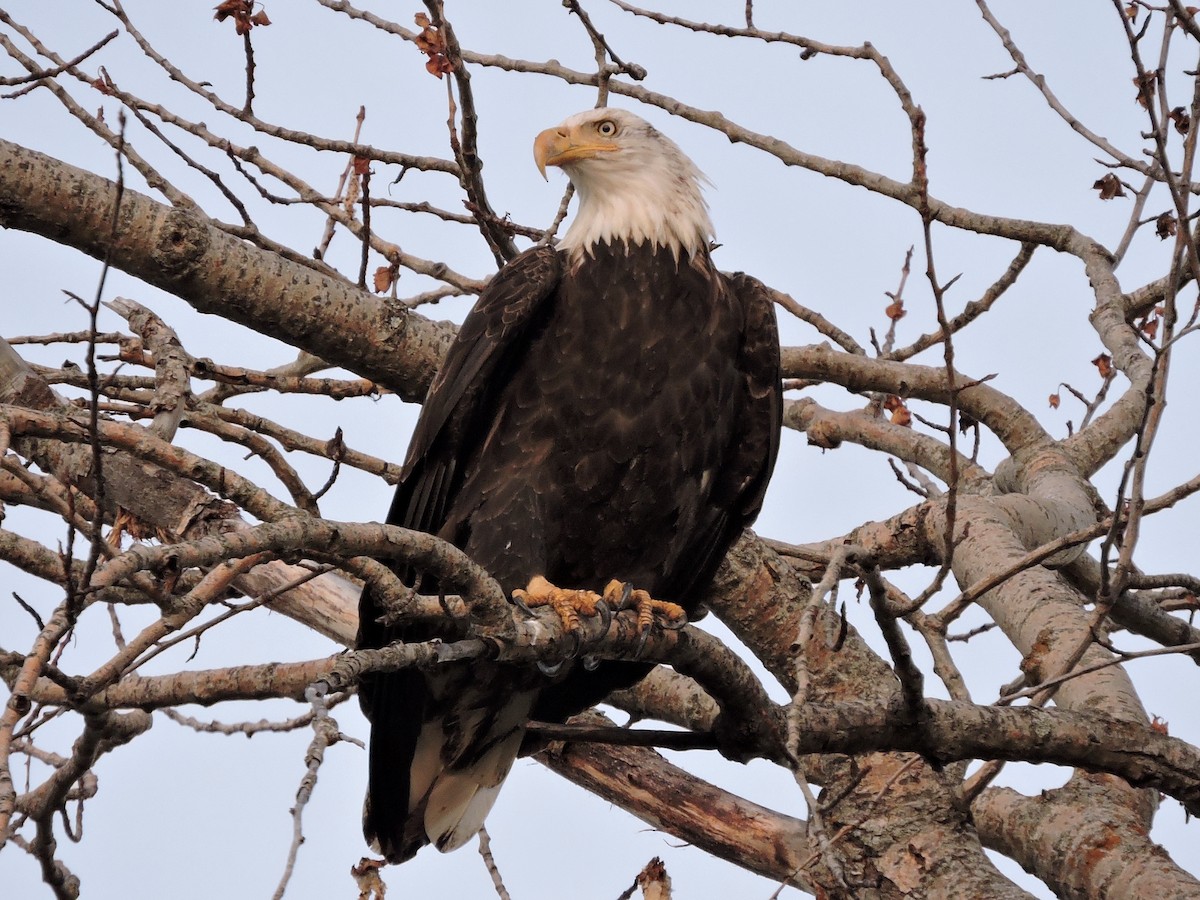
column 641, row 644
column 524, row 607
column 626, row 593
column 550, row 670
column 605, row 614
column 590, row 663
column 576, row 644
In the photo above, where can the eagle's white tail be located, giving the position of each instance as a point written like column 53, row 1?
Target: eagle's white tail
column 460, row 799
column 455, row 767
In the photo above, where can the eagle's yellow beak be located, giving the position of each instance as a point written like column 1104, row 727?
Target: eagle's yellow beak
column 556, row 146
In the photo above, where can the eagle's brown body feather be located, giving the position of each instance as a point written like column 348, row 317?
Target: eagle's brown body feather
column 614, row 419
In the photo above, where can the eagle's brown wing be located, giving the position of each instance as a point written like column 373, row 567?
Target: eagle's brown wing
column 489, row 340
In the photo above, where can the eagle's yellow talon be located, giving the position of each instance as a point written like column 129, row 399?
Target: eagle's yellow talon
column 623, row 596
column 568, row 604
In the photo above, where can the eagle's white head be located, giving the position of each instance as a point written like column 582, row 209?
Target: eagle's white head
column 634, row 183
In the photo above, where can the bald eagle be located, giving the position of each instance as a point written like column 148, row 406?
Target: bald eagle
column 610, row 409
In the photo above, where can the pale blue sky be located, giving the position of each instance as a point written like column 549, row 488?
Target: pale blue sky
column 203, row 816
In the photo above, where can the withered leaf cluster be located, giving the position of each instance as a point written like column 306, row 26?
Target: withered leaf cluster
column 432, row 43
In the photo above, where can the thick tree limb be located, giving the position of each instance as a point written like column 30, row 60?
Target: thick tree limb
column 758, row 596
column 182, row 252
column 953, row 731
column 1059, row 838
column 640, row 781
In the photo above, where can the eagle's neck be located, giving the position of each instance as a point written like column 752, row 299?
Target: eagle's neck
column 636, row 201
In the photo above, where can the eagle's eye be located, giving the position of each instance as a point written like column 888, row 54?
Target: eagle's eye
column 607, row 128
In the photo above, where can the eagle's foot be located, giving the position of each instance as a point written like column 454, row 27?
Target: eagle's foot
column 569, row 604
column 624, row 596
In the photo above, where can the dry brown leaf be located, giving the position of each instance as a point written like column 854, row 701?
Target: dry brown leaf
column 1166, row 225
column 654, row 881
column 895, row 310
column 1055, row 401
column 1109, row 186
column 1145, row 85
column 366, row 876
column 384, row 279
column 229, row 8
column 243, row 15
column 899, row 412
column 1103, row 363
column 432, row 43
column 335, row 447
column 1183, row 121
column 103, row 83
